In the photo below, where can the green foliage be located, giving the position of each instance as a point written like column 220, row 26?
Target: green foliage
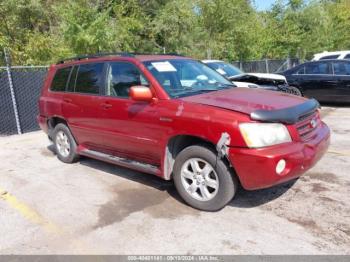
column 44, row 31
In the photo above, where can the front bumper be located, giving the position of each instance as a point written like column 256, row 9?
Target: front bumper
column 256, row 168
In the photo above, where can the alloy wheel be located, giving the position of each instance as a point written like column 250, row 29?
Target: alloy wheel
column 199, row 179
column 62, row 144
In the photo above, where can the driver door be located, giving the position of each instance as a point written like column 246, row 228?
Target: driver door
column 132, row 128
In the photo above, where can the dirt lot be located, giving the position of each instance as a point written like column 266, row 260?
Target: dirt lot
column 47, row 207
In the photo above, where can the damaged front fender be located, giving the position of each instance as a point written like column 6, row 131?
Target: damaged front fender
column 222, row 144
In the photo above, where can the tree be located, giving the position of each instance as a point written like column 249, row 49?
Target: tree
column 44, row 31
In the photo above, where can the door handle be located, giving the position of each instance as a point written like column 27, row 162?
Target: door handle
column 106, row 105
column 67, row 100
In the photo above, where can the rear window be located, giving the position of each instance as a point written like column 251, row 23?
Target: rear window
column 90, row 78
column 329, row 57
column 341, row 68
column 59, row 81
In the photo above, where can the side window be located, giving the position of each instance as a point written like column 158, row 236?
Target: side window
column 72, row 79
column 321, row 68
column 341, row 68
column 122, row 76
column 60, row 79
column 347, row 68
column 347, row 56
column 90, row 78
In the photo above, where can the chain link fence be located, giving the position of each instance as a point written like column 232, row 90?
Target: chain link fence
column 20, row 88
column 267, row 65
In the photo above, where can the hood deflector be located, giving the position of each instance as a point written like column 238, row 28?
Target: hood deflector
column 288, row 115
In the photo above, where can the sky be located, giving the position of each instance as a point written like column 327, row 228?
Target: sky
column 263, row 4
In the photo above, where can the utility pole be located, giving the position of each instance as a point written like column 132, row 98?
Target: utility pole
column 267, row 65
column 13, row 97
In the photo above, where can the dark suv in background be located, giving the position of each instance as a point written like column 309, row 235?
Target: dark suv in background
column 325, row 80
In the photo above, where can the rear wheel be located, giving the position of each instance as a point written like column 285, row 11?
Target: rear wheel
column 202, row 179
column 65, row 144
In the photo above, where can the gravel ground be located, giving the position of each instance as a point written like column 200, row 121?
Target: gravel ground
column 48, row 207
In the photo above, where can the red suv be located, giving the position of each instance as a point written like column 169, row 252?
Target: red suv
column 176, row 118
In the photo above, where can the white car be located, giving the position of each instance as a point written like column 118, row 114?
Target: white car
column 273, row 82
column 332, row 55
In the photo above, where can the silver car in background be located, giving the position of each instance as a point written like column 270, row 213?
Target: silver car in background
column 274, row 82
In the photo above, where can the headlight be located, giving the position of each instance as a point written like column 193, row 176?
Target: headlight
column 261, row 134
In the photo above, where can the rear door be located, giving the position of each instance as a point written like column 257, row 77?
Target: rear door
column 81, row 103
column 342, row 73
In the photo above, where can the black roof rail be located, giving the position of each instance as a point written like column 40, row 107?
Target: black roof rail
column 127, row 54
column 77, row 58
column 171, row 53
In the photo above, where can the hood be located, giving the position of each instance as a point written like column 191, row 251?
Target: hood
column 268, row 76
column 245, row 84
column 246, row 100
column 261, row 75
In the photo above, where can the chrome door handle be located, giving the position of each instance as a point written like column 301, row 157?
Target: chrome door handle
column 106, row 105
column 67, row 100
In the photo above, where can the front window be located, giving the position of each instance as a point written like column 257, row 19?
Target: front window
column 121, row 77
column 321, row 68
column 300, row 71
column 225, row 69
column 184, row 77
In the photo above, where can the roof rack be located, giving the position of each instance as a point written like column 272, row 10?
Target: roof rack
column 78, row 58
column 126, row 54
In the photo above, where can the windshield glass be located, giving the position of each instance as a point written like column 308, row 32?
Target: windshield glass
column 225, row 69
column 184, row 77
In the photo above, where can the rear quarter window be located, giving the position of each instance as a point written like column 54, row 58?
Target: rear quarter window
column 60, row 79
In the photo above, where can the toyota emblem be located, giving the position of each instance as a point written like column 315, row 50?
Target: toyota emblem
column 313, row 123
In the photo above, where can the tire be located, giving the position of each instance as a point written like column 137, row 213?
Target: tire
column 294, row 91
column 65, row 145
column 226, row 182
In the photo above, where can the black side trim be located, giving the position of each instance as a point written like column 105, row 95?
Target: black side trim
column 288, row 115
column 143, row 167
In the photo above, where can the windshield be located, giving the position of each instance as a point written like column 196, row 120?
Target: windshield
column 225, row 69
column 184, row 77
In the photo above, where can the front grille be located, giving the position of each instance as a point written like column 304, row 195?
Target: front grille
column 304, row 125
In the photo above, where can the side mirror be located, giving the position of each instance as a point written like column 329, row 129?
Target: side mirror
column 141, row 93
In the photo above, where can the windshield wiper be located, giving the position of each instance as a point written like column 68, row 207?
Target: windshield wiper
column 226, row 85
column 205, row 89
column 191, row 92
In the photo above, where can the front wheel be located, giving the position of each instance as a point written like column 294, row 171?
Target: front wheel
column 294, row 91
column 203, row 179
